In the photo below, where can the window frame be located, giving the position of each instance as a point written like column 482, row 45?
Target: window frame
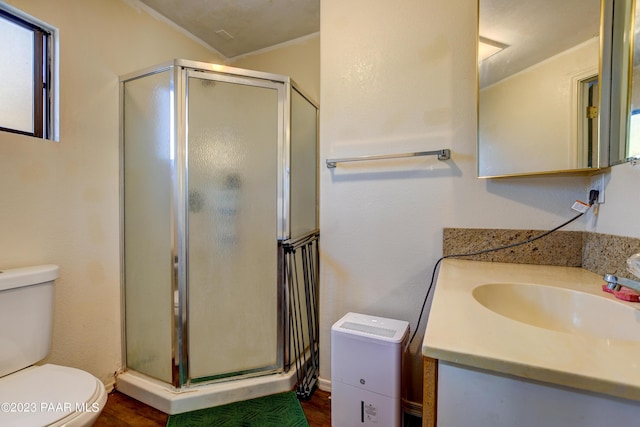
column 45, row 51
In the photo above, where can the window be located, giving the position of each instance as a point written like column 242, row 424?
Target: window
column 27, row 75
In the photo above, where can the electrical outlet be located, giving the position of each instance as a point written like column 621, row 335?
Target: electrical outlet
column 597, row 183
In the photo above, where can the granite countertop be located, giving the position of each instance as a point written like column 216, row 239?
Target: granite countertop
column 463, row 331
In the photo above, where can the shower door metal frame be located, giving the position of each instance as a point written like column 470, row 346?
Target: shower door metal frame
column 178, row 256
column 182, row 71
column 169, row 66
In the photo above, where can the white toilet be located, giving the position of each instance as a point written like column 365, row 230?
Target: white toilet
column 30, row 395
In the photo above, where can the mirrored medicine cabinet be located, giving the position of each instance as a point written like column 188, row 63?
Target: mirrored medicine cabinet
column 554, row 86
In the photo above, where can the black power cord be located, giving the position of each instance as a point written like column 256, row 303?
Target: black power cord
column 593, row 197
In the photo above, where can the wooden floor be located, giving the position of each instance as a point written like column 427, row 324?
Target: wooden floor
column 123, row 411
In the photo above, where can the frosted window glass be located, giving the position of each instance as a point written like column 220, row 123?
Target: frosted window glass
column 147, row 225
column 304, row 166
column 16, row 77
column 232, row 190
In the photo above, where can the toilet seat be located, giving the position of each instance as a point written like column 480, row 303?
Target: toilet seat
column 50, row 395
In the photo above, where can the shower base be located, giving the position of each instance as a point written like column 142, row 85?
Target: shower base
column 172, row 401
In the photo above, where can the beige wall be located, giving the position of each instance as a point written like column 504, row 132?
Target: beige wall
column 299, row 59
column 60, row 201
column 619, row 213
column 413, row 87
column 402, row 77
column 410, row 87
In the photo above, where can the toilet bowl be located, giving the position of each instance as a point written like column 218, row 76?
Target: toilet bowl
column 38, row 395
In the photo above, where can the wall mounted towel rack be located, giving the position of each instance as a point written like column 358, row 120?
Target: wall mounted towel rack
column 444, row 154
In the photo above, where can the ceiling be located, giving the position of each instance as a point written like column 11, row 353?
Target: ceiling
column 238, row 27
column 533, row 31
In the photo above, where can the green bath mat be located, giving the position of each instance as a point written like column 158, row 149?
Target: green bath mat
column 278, row 410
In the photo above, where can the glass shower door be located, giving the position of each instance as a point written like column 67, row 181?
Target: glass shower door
column 234, row 157
column 148, row 173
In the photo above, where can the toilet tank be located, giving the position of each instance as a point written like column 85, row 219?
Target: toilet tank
column 26, row 315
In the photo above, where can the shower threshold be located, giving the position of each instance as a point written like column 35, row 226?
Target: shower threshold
column 172, row 401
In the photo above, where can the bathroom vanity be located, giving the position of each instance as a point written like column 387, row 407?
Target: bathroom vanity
column 529, row 345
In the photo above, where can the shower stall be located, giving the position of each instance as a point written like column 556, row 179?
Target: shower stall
column 218, row 170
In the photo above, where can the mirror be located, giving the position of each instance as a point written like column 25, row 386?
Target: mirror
column 538, row 102
column 630, row 146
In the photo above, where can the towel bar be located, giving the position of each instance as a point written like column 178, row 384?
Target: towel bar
column 444, row 154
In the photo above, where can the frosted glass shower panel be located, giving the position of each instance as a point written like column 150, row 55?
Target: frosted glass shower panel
column 304, row 165
column 147, row 177
column 232, row 215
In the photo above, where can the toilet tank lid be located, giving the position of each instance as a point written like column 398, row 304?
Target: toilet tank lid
column 26, row 276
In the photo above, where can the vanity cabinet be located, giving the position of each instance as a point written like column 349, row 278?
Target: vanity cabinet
column 466, row 396
column 529, row 345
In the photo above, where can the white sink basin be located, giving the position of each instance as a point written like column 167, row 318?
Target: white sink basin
column 545, row 323
column 561, row 310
